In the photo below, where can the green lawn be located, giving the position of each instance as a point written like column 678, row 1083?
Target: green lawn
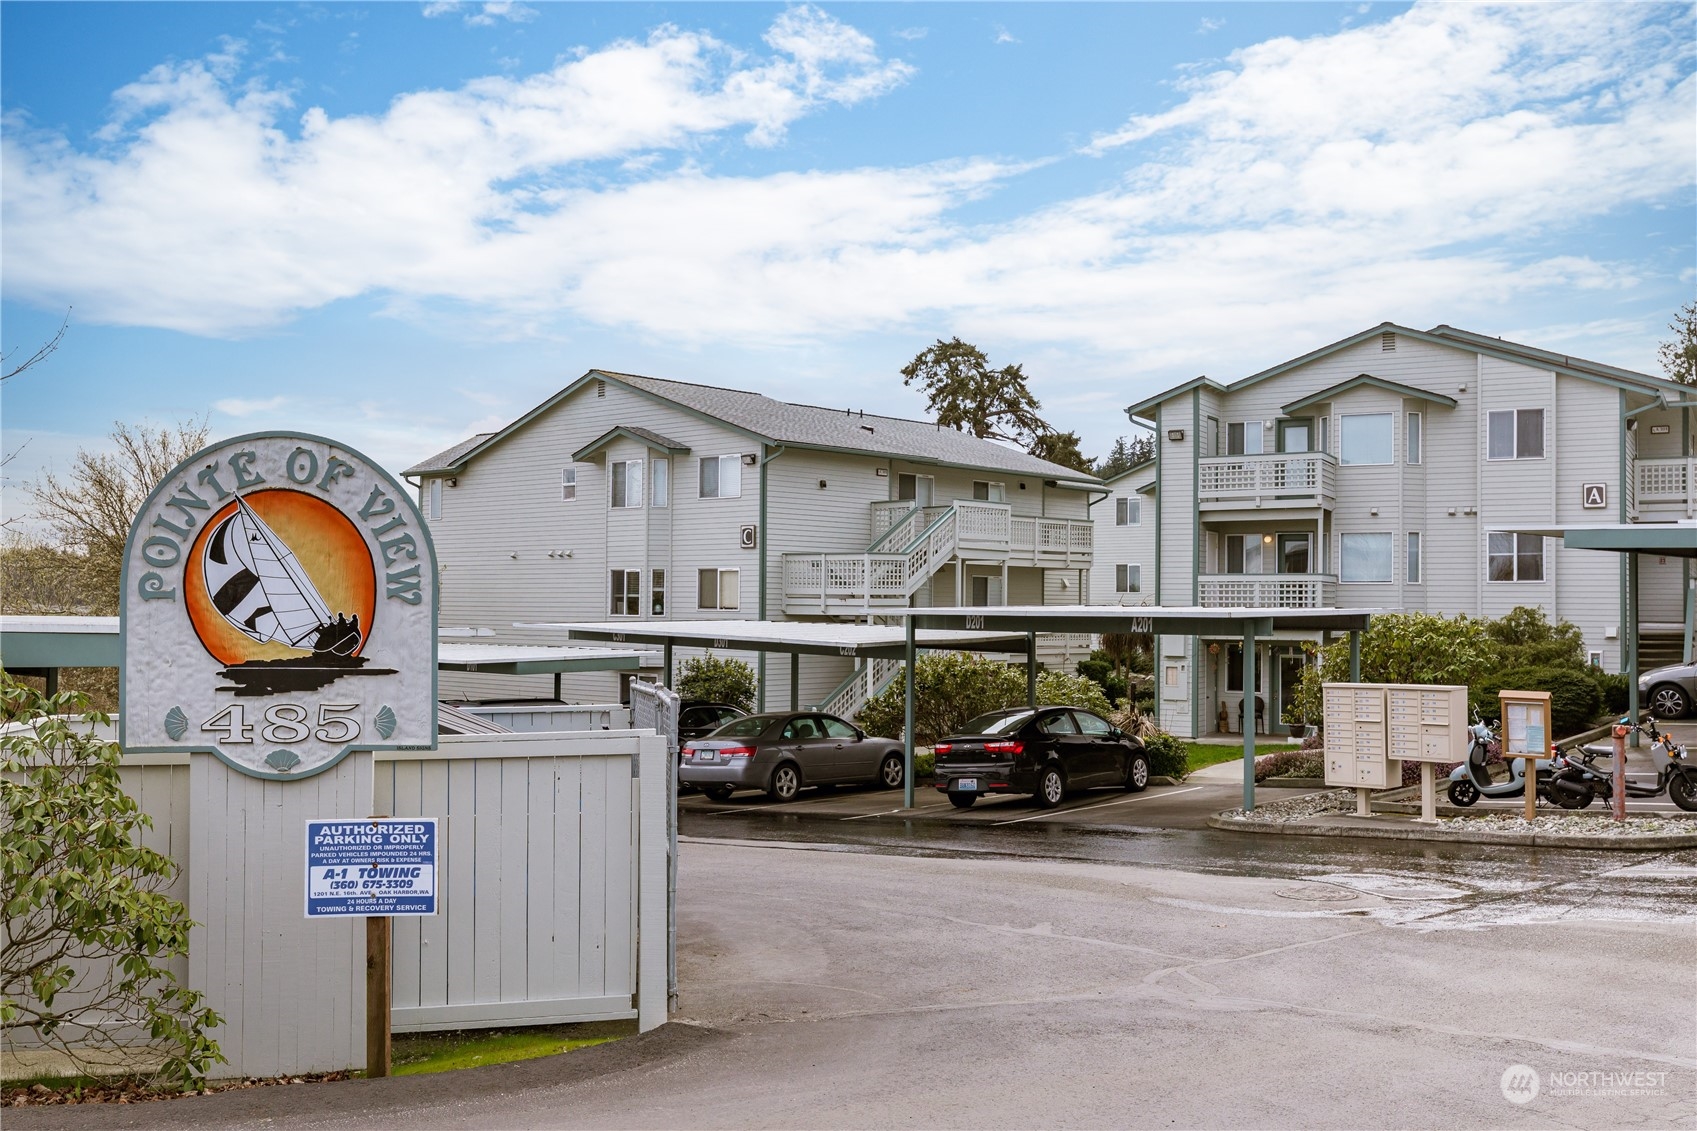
column 1212, row 753
column 442, row 1052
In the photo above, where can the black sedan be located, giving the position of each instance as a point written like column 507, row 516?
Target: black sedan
column 1045, row 751
column 782, row 752
column 697, row 719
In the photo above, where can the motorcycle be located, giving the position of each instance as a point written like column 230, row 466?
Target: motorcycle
column 1472, row 779
column 1579, row 779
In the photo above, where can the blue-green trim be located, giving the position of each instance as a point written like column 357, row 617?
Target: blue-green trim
column 1132, row 470
column 1367, row 379
column 429, row 546
column 36, row 650
column 1154, row 402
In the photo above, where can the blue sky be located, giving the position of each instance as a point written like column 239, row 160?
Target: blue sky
column 400, row 223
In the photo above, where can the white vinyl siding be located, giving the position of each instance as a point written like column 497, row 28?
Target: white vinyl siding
column 718, row 588
column 1366, row 438
column 721, row 477
column 1365, row 557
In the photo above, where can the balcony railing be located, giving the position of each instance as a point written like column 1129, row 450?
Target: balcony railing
column 1281, row 479
column 1665, row 487
column 1267, row 590
column 1052, row 541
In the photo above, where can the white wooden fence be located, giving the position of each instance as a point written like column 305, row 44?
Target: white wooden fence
column 552, row 890
column 554, row 716
column 543, row 879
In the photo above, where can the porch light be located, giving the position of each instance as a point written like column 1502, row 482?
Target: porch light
column 1176, row 435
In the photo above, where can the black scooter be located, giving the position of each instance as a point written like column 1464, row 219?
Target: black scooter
column 1578, row 778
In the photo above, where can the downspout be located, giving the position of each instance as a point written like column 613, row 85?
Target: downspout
column 767, row 455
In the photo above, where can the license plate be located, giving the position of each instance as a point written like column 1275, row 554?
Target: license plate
column 966, row 785
column 706, row 756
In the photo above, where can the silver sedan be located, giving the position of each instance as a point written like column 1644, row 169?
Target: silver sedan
column 782, row 752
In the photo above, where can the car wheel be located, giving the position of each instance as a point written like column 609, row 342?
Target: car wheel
column 1051, row 787
column 890, row 773
column 1463, row 793
column 962, row 800
column 785, row 783
column 718, row 792
column 1668, row 702
column 1137, row 773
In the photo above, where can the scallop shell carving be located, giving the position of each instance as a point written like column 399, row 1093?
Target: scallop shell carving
column 385, row 721
column 282, row 760
column 176, row 723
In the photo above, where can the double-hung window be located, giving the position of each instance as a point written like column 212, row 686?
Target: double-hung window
column 626, row 484
column 626, row 588
column 1366, row 438
column 1515, row 434
column 1128, row 579
column 1514, row 557
column 1128, row 512
column 718, row 589
column 1364, row 557
column 658, row 608
column 660, row 483
column 568, row 484
column 721, row 477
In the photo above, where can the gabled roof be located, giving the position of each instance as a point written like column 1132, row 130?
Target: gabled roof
column 1369, row 381
column 1141, row 407
column 630, row 432
column 1132, row 470
column 762, row 418
column 1456, row 339
column 449, row 460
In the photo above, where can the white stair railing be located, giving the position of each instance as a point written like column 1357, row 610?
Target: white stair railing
column 862, row 684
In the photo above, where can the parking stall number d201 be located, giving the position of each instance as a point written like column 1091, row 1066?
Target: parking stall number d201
column 378, row 866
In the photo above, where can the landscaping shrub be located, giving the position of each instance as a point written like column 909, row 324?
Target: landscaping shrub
column 1302, row 762
column 1616, row 688
column 713, row 680
column 1167, row 756
column 1100, row 669
column 1525, row 638
column 1575, row 698
column 949, row 689
column 1403, row 648
column 1072, row 690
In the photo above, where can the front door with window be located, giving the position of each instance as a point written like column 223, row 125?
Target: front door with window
column 1296, row 435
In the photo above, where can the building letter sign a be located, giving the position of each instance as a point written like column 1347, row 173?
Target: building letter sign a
column 1594, row 496
column 279, row 610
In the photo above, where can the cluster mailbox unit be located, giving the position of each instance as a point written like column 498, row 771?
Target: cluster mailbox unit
column 1372, row 728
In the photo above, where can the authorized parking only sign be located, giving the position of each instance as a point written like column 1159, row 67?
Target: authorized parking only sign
column 378, row 866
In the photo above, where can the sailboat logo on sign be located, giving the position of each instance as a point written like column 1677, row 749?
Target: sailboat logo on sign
column 279, row 610
column 254, row 582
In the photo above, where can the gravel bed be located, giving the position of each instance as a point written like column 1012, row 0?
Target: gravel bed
column 1296, row 808
column 1571, row 824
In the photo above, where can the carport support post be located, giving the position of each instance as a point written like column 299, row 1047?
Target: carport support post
column 1355, row 655
column 1031, row 669
column 795, row 681
column 1248, row 715
column 666, row 666
column 1631, row 642
column 907, row 718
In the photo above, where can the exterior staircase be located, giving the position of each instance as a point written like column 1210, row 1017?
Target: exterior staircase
column 866, row 681
column 1659, row 648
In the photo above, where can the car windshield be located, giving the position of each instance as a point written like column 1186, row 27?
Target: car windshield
column 996, row 722
column 749, row 726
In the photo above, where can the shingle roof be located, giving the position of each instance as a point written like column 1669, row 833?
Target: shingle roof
column 645, row 435
column 446, row 459
column 800, row 426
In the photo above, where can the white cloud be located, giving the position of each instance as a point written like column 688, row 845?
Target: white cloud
column 1003, row 35
column 1299, row 187
column 1209, row 24
column 240, row 406
column 488, row 14
column 912, row 33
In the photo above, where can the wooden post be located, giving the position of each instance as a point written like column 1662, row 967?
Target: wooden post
column 377, row 995
column 1531, row 787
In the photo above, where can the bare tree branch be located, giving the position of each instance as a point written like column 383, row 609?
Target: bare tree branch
column 39, row 355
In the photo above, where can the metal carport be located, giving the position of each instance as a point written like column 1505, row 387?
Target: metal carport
column 1187, row 621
